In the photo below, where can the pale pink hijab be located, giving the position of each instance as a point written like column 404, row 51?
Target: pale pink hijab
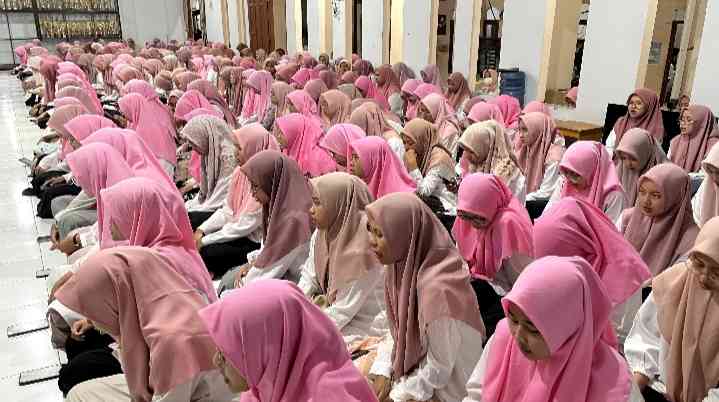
column 83, row 126
column 444, row 117
column 148, row 215
column 338, row 139
column 383, row 172
column 370, row 91
column 651, row 120
column 639, row 144
column 410, row 107
column 286, row 348
column 286, row 219
column 710, row 200
column 484, row 111
column 57, row 122
column 592, row 162
column 335, row 108
column 423, row 90
column 536, row 106
column 427, row 280
column 508, row 233
column 539, row 148
column 83, row 96
column 210, row 92
column 430, row 74
column 152, row 122
column 303, row 103
column 341, row 253
column 663, row 239
column 575, row 227
column 315, row 88
column 689, row 150
column 190, row 101
column 303, row 134
column 136, row 295
column 261, row 82
column 509, row 106
column 566, row 301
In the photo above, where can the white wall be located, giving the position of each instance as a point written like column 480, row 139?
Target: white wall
column 612, row 53
column 314, row 26
column 233, row 22
column 416, row 35
column 373, row 31
column 145, row 20
column 294, row 26
column 463, row 37
column 340, row 17
column 213, row 17
column 706, row 88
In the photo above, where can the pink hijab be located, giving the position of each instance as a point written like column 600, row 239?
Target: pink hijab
column 261, row 82
column 566, row 301
column 303, row 102
column 300, row 78
column 315, row 88
column 335, row 108
column 383, row 172
column 423, row 90
column 457, row 98
column 391, row 81
column 573, row 95
column 137, row 295
column 286, row 220
column 148, row 215
column 430, row 74
column 303, row 135
column 210, row 92
column 651, row 120
column 663, row 239
column 370, row 91
column 508, row 233
column 338, row 139
column 153, row 123
column 539, row 148
column 484, row 111
column 83, row 126
column 83, row 96
column 710, row 199
column 536, row 106
column 57, row 122
column 410, row 106
column 689, row 150
column 369, row 117
column 190, row 101
column 639, row 144
column 592, row 162
column 427, row 281
column 286, row 347
column 96, row 167
column 509, row 106
column 574, row 227
column 444, row 118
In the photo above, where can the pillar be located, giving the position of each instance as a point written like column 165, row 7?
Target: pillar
column 375, row 31
column 616, row 51
column 293, row 17
column 694, row 21
column 414, row 32
column 342, row 16
column 237, row 23
column 705, row 87
column 319, row 26
column 563, row 45
column 468, row 23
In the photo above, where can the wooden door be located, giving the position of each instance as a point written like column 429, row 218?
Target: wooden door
column 262, row 27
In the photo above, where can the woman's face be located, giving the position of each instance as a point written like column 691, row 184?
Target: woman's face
column 291, row 108
column 259, row 194
column 233, row 378
column 424, row 113
column 706, row 270
column 409, row 143
column 318, row 213
column 280, row 137
column 239, row 154
column 340, row 159
column 342, row 68
column 452, row 86
column 629, row 161
column 356, row 166
column 377, row 242
column 471, row 156
column 577, row 181
column 527, row 336
column 686, row 123
column 637, row 107
column 475, row 220
column 523, row 132
column 379, row 80
column 712, row 172
column 650, row 199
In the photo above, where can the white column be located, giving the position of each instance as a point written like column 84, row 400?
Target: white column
column 213, row 17
column 418, row 33
column 706, row 88
column 294, row 26
column 374, row 31
column 341, row 16
column 314, row 26
column 467, row 27
column 615, row 52
column 144, row 21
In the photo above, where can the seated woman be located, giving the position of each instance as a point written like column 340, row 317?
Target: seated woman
column 210, row 137
column 494, row 235
column 369, row 117
column 588, row 173
column 208, row 89
column 388, row 84
column 369, row 90
column 705, row 203
column 554, row 344
column 636, row 153
column 337, row 143
column 574, row 227
column 274, row 345
column 409, row 109
column 671, row 349
column 484, row 111
column 342, row 275
column 233, row 231
column 430, row 164
column 661, row 224
column 127, row 292
column 539, row 150
column 279, row 91
column 286, row 197
column 435, row 109
column 458, row 92
column 335, row 108
column 487, row 150
column 298, row 136
column 373, row 161
column 315, row 87
column 437, row 330
column 643, row 111
column 299, row 101
column 511, row 111
column 260, row 82
column 699, row 133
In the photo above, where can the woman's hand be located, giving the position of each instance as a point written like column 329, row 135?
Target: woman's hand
column 241, row 274
column 68, row 245
column 381, row 386
column 199, row 234
column 79, row 328
column 641, row 380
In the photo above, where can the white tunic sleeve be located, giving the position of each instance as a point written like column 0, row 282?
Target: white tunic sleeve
column 287, row 267
column 551, row 180
column 352, row 298
column 382, row 365
column 697, row 201
column 217, row 220
column 397, row 146
column 213, row 201
column 247, row 225
column 644, row 342
column 308, row 283
column 614, row 205
column 611, row 143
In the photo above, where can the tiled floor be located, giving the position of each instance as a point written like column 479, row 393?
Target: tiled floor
column 22, row 297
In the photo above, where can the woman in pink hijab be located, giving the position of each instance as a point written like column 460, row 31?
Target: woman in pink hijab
column 699, row 133
column 635, row 155
column 337, row 142
column 315, row 88
column 430, row 74
column 435, row 109
column 372, row 160
column 539, row 150
column 590, row 175
column 146, row 214
column 210, row 92
column 193, row 100
column 279, row 92
column 300, row 78
column 409, row 110
column 363, row 67
column 553, row 344
column 299, row 136
column 294, row 353
column 184, row 79
column 660, row 225
column 301, row 102
column 330, row 79
column 536, row 106
column 260, row 82
column 129, row 293
column 644, row 111
column 370, row 118
column 368, row 90
column 388, row 82
column 509, row 106
column 485, row 111
column 82, row 95
column 429, row 302
column 457, row 90
column 705, row 202
column 335, row 108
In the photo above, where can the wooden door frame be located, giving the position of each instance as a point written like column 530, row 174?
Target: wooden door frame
column 667, row 64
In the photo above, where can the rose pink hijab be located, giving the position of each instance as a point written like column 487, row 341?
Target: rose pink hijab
column 190, row 101
column 153, row 123
column 148, row 215
column 575, row 227
column 539, row 148
column 567, row 302
column 640, row 145
column 410, row 106
column 303, row 103
column 135, row 294
column 661, row 240
column 303, row 134
column 430, row 74
column 83, row 126
column 689, row 150
column 508, row 233
column 651, row 120
column 341, row 253
column 286, row 219
column 484, row 111
column 592, row 162
column 427, row 280
column 300, row 78
column 536, row 106
column 383, row 172
column 391, row 81
column 261, row 82
column 338, row 139
column 509, row 106
column 444, row 118
column 370, row 91
column 210, row 92
column 335, row 108
column 286, row 348
column 710, row 200
column 57, row 122
column 83, row 96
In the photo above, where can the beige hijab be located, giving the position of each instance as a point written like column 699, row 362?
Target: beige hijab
column 489, row 142
column 430, row 153
column 710, row 201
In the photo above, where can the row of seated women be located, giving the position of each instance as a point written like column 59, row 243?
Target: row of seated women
column 416, row 311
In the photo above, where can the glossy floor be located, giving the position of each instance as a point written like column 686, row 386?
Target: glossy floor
column 22, row 297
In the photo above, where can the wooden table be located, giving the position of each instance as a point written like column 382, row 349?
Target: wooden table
column 579, row 131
